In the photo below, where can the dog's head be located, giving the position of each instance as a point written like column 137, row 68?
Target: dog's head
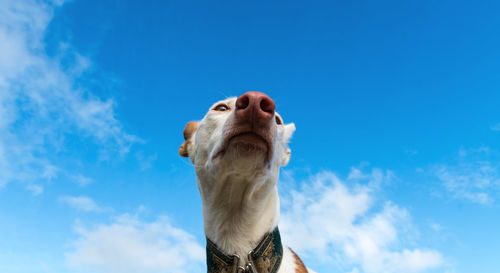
column 239, row 136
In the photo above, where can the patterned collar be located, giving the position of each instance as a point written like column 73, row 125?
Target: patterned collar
column 265, row 258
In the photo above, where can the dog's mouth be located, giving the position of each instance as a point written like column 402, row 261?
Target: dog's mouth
column 248, row 142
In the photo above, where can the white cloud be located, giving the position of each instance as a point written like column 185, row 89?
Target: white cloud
column 35, row 189
column 340, row 222
column 83, row 203
column 472, row 176
column 41, row 102
column 130, row 245
column 82, row 180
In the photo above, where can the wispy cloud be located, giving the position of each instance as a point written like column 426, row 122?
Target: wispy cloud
column 41, row 100
column 145, row 162
column 35, row 189
column 495, row 127
column 341, row 222
column 83, row 203
column 131, row 245
column 81, row 180
column 472, row 175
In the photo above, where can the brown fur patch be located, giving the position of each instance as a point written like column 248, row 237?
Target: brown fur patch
column 188, row 133
column 301, row 268
column 183, row 150
column 190, row 129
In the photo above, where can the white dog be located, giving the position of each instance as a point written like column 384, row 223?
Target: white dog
column 237, row 150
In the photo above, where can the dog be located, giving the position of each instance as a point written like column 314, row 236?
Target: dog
column 237, row 150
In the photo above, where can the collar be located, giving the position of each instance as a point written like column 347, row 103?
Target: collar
column 265, row 258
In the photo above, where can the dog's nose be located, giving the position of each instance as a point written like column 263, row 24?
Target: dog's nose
column 255, row 107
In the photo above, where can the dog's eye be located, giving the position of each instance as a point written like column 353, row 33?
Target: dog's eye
column 221, row 107
column 278, row 120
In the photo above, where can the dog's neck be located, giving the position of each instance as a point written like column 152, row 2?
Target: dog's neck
column 239, row 211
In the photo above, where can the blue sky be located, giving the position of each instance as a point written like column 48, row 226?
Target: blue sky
column 395, row 161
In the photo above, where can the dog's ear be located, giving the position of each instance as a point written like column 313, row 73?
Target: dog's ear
column 289, row 130
column 189, row 131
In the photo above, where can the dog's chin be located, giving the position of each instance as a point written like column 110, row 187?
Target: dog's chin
column 243, row 154
column 248, row 144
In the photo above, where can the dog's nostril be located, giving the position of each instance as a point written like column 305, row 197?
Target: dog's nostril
column 242, row 102
column 267, row 105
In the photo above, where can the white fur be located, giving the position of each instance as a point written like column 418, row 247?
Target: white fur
column 238, row 188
